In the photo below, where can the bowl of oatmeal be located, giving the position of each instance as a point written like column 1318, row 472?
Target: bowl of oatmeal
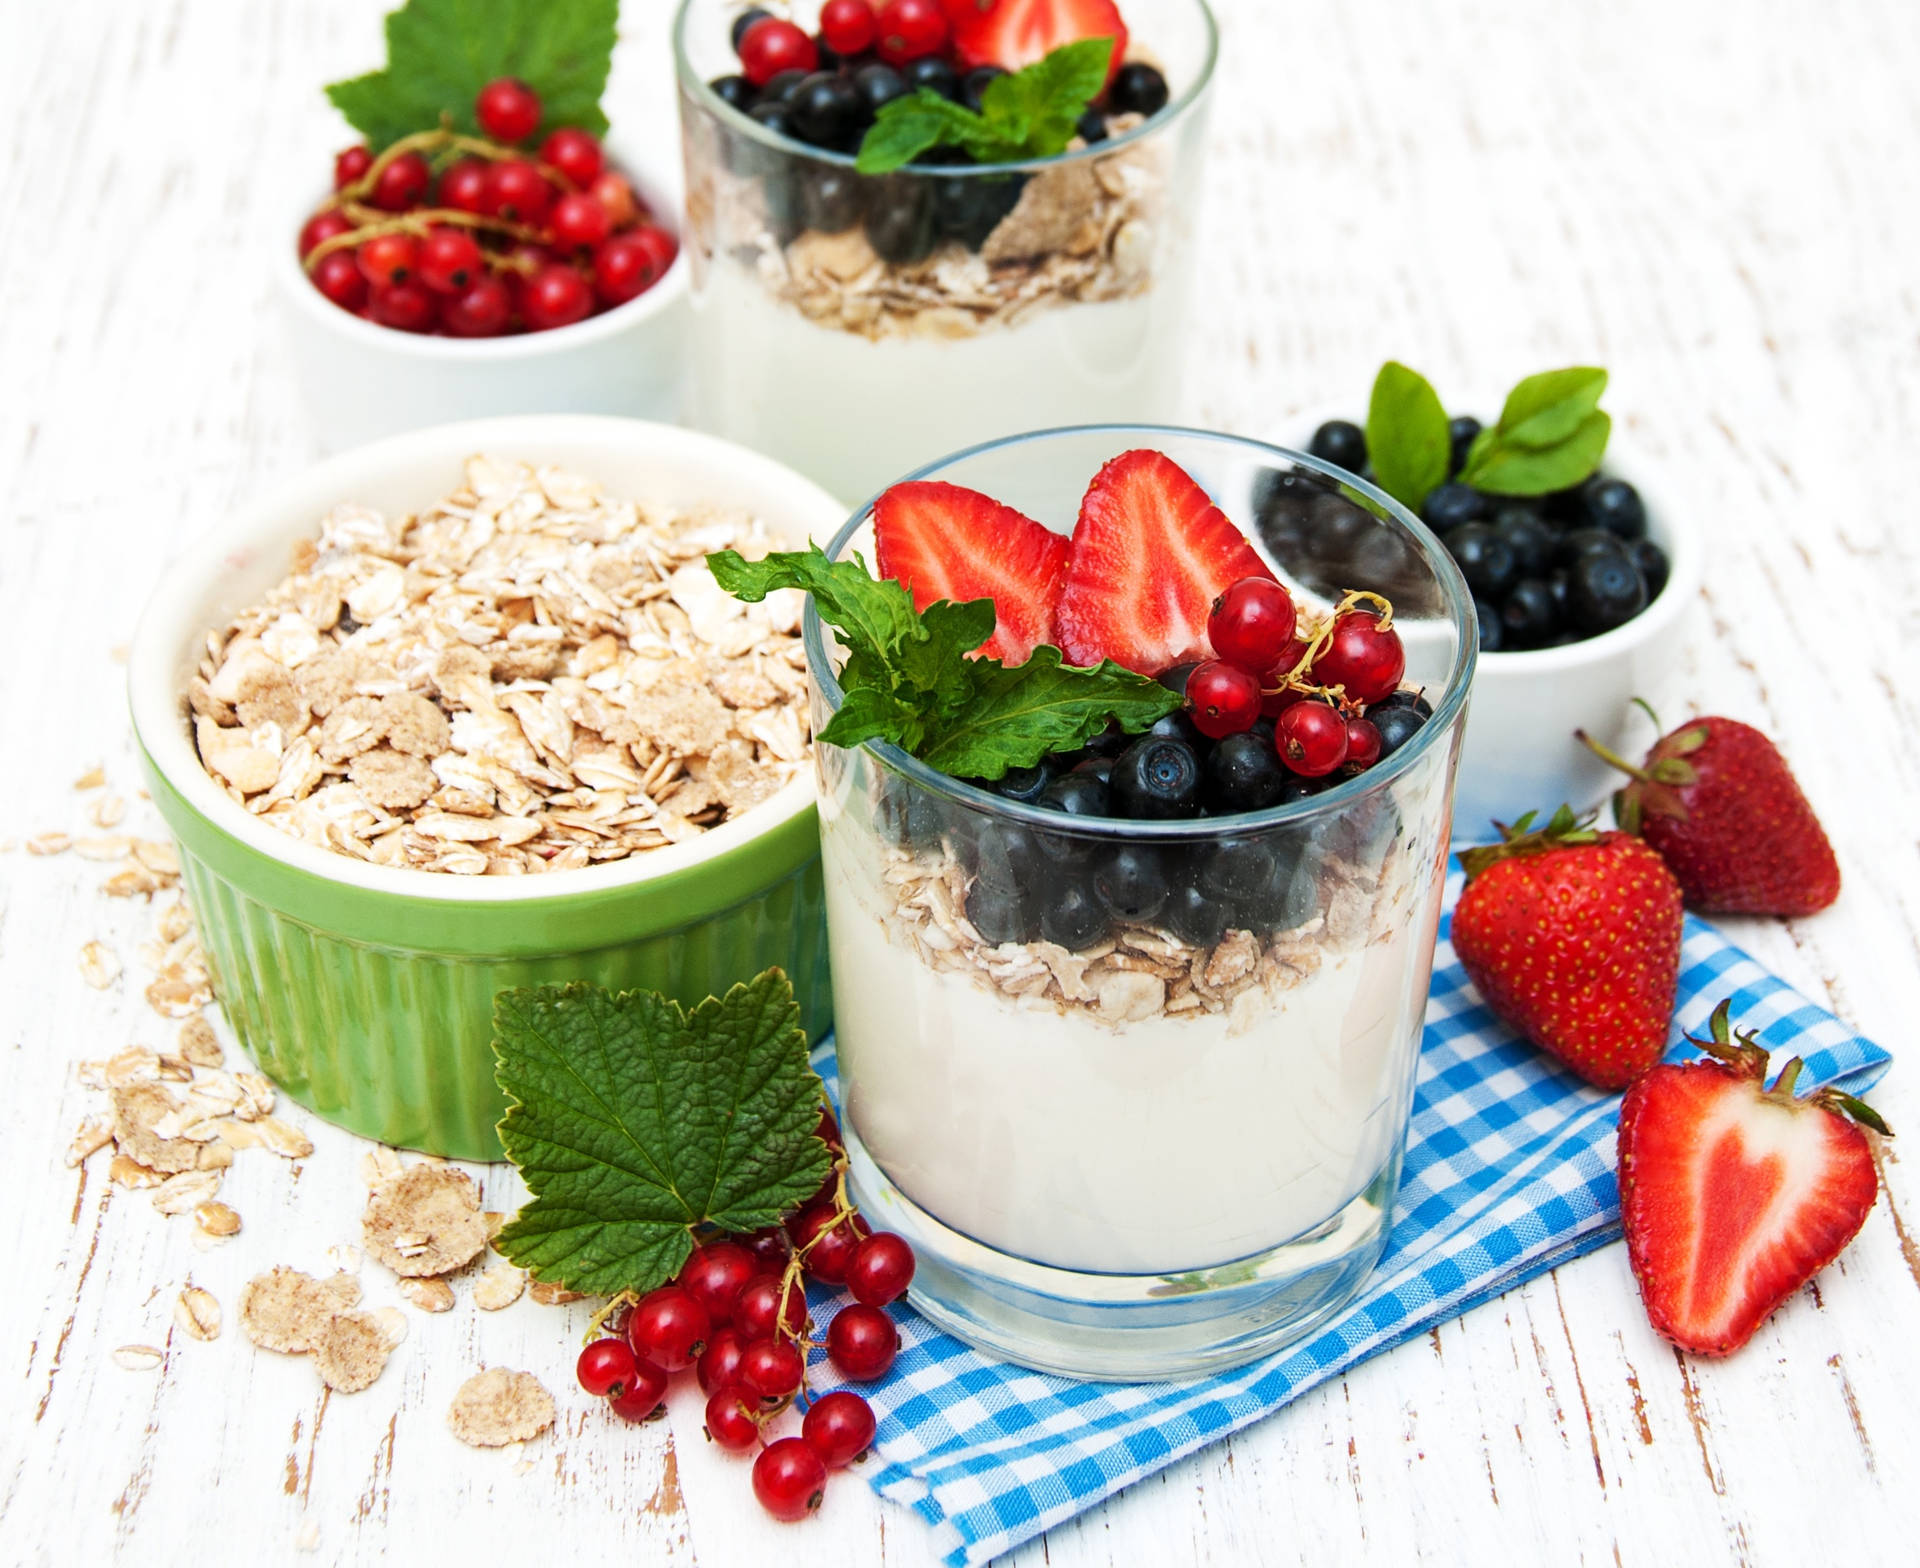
column 463, row 710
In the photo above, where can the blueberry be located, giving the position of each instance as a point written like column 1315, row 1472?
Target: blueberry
column 1579, row 543
column 781, row 88
column 1451, row 506
column 1557, row 586
column 969, row 207
column 930, row 70
column 774, row 115
column 1179, row 726
column 1005, row 856
column 1077, row 795
column 736, row 92
column 1137, row 89
column 1397, row 726
column 1341, row 443
column 1403, row 698
column 1071, row 915
column 827, row 111
column 745, row 20
column 1194, row 917
column 1299, row 788
column 1100, row 768
column 1157, row 777
column 1238, row 869
column 1283, row 501
column 974, row 88
column 1025, row 784
column 1244, row 774
column 1652, row 561
column 999, row 914
column 1092, row 127
column 830, row 198
column 1460, row 435
column 1174, row 677
column 1604, row 591
column 1532, row 540
column 900, row 219
column 1490, row 629
column 1132, row 882
column 1615, row 505
column 1291, row 899
column 1110, row 742
column 1485, row 559
column 879, row 85
column 1528, row 616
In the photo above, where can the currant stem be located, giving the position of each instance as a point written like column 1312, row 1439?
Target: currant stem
column 419, row 223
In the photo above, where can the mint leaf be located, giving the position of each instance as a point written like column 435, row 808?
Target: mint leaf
column 632, row 1121
column 875, row 612
column 440, row 53
column 1499, row 467
column 1407, row 440
column 922, row 121
column 1546, row 409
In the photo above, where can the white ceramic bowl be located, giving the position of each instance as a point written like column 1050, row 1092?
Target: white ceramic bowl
column 1519, row 753
column 362, row 381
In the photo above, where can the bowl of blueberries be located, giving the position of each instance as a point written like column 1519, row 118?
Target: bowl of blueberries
column 1579, row 595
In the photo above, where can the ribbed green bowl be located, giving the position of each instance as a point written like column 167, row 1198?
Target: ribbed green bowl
column 366, row 992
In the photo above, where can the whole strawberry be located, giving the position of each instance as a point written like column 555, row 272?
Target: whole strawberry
column 1716, row 799
column 1573, row 937
column 1734, row 1195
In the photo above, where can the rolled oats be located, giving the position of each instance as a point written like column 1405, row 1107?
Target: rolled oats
column 499, row 1285
column 352, row 1352
column 288, row 1311
column 425, row 1222
column 497, row 1407
column 138, row 1358
column 429, row 1295
column 198, row 1313
column 216, row 1219
column 99, row 965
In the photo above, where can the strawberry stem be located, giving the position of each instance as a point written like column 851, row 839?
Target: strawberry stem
column 1563, row 831
column 1612, row 758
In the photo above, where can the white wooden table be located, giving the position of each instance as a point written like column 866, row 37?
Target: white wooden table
column 1716, row 201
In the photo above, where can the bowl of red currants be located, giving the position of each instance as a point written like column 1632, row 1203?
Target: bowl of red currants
column 521, row 268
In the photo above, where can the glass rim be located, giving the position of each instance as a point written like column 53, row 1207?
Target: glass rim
column 1446, row 711
column 694, row 86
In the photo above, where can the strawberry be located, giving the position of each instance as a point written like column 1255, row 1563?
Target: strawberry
column 1015, row 33
column 1734, row 1195
column 1717, row 800
column 944, row 542
column 1573, row 938
column 1151, row 552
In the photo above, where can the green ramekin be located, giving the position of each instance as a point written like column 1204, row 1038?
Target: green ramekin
column 365, row 991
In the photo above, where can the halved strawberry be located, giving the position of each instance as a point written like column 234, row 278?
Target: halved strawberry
column 946, row 542
column 1734, row 1195
column 1015, row 33
column 1151, row 553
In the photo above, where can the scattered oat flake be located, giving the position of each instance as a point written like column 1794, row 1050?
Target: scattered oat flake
column 217, row 1219
column 96, row 1132
column 352, row 1352
column 199, row 1044
column 49, row 843
column 283, row 1138
column 184, row 1193
column 126, row 1171
column 287, row 1311
column 548, row 1294
column 429, row 1295
column 498, row 1285
column 107, row 811
column 93, row 778
column 498, row 1406
column 393, row 1325
column 138, row 1358
column 308, row 1540
column 425, row 1222
column 99, row 965
column 198, row 1313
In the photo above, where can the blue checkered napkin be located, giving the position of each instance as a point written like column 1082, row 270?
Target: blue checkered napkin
column 1509, row 1171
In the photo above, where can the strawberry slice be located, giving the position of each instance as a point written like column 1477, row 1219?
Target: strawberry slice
column 1734, row 1195
column 1151, row 553
column 946, row 542
column 1015, row 33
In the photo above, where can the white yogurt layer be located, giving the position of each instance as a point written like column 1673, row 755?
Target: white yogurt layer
column 855, row 414
column 1173, row 1143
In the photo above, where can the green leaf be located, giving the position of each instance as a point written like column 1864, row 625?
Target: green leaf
column 632, row 1121
column 1017, row 714
column 1544, row 410
column 440, row 53
column 876, row 612
column 1499, row 468
column 1407, row 439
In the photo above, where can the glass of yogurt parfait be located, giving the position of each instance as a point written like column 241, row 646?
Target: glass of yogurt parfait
column 858, row 325
column 1136, row 1087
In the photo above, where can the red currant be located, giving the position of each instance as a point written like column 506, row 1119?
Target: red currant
column 847, row 27
column 770, row 1369
column 862, row 1342
column 407, row 307
column 615, row 193
column 643, row 1395
column 555, row 296
column 402, row 183
column 838, row 1427
column 909, row 29
column 881, row 1270
column 828, row 1131
column 1252, row 623
column 1311, row 738
column 320, row 228
column 575, row 153
column 508, row 110
column 770, row 1248
column 515, row 190
column 483, row 311
column 578, row 222
column 449, row 261
column 1363, row 745
column 719, row 1363
column 337, row 275
column 1362, row 659
column 463, row 187
column 830, row 1244
column 758, row 1313
column 627, row 265
column 729, row 1422
column 788, row 1477
column 715, row 1275
column 1222, row 698
column 388, row 259
column 773, row 45
column 669, row 1328
column 607, row 1367
column 350, row 166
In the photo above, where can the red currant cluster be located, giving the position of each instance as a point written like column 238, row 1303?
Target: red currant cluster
column 1314, row 682
column 897, row 31
column 738, row 1315
column 470, row 237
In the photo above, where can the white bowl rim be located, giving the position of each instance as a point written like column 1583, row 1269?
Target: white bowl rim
column 166, row 623
column 669, row 291
column 1682, row 542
